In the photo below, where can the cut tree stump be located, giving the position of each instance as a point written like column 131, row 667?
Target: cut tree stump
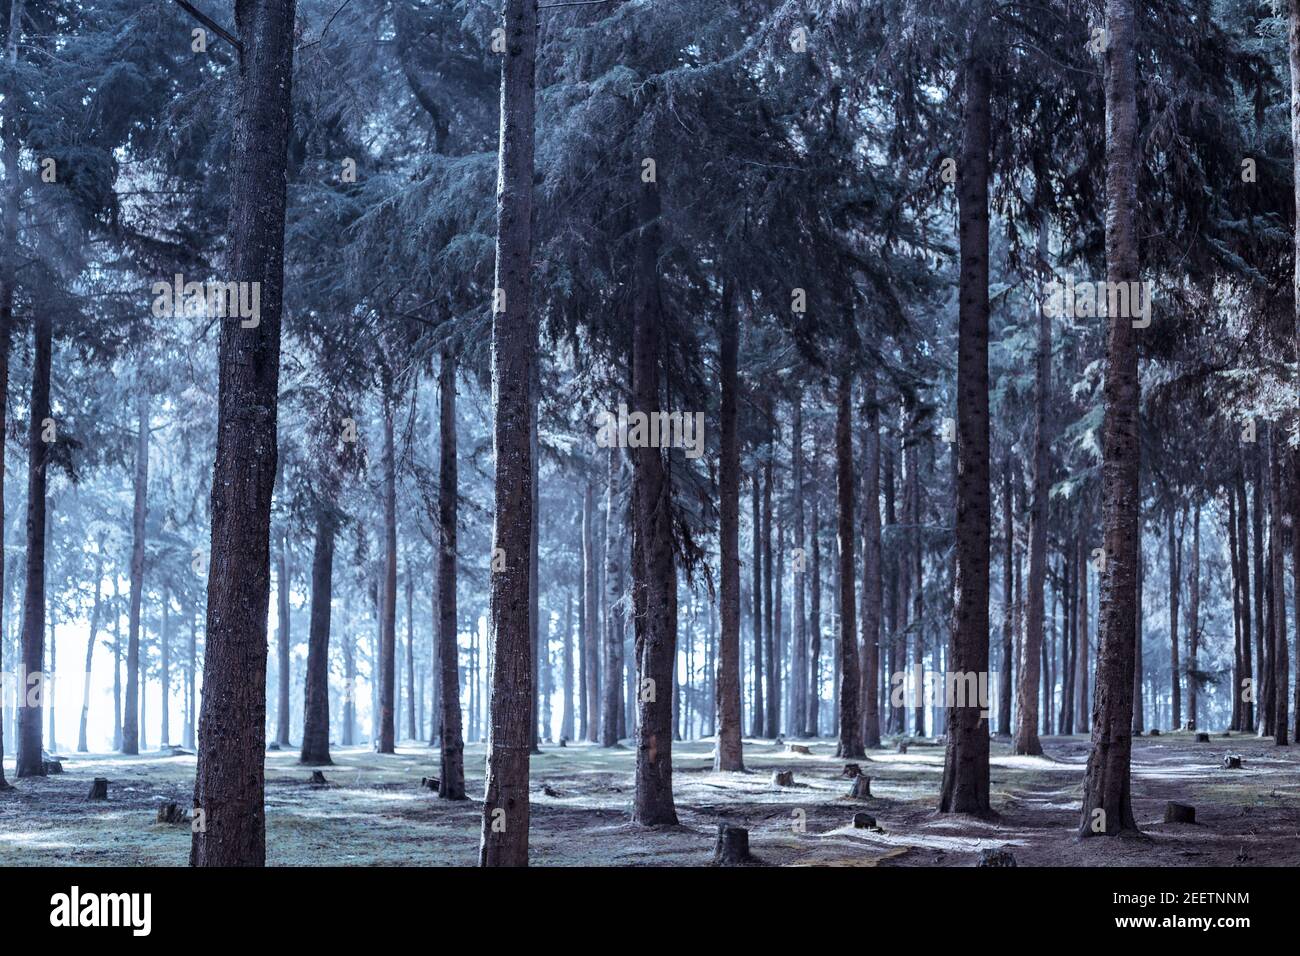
column 864, row 821
column 902, row 746
column 564, row 741
column 273, row 746
column 53, row 767
column 430, row 783
column 172, row 813
column 1179, row 812
column 1232, row 762
column 98, row 789
column 799, row 749
column 782, row 778
column 1202, row 738
column 732, row 848
column 852, row 770
column 997, row 858
column 318, row 779
column 1155, row 732
column 861, row 788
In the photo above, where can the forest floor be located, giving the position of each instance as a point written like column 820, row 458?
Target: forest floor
column 374, row 812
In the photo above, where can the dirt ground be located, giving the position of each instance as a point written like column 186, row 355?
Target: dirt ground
column 374, row 812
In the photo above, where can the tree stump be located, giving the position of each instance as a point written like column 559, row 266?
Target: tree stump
column 1179, row 812
column 172, row 813
column 861, row 788
column 799, row 749
column 1232, row 762
column 782, row 778
column 780, row 740
column 864, row 821
column 732, row 848
column 53, row 767
column 852, row 770
column 273, row 746
column 997, row 858
column 1155, row 732
column 564, row 741
column 318, row 779
column 1202, row 738
column 430, row 783
column 98, row 789
column 902, row 746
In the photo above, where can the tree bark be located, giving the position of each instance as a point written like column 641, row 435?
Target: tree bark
column 799, row 635
column 316, row 704
column 756, row 538
column 591, row 618
column 1079, row 689
column 729, row 754
column 1193, row 616
column 872, row 588
column 131, row 704
column 654, row 573
column 769, row 605
column 966, row 762
column 1022, row 672
column 90, row 644
column 815, row 607
column 850, row 740
column 1106, row 782
column 282, row 639
column 388, row 594
column 1278, row 686
column 612, row 688
column 514, row 344
column 30, row 761
column 451, row 778
column 229, row 782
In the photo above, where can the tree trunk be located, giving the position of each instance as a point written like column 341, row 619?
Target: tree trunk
column 591, row 638
column 966, row 762
column 566, row 678
column 30, row 762
column 514, row 345
column 1247, row 722
column 1175, row 590
column 1080, row 684
column 282, row 639
column 316, row 704
column 1280, row 664
column 614, row 528
column 165, row 677
column 850, row 730
column 654, row 573
column 1139, row 717
column 191, row 690
column 451, row 778
column 756, row 537
column 871, row 567
column 410, row 654
column 799, row 635
column 117, row 663
column 229, row 782
column 815, row 607
column 388, row 595
column 728, row 754
column 90, row 645
column 1023, row 671
column 769, row 604
column 1106, row 783
column 1193, row 616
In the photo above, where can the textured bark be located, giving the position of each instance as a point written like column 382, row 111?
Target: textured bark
column 90, row 644
column 9, row 153
column 966, row 761
column 514, row 345
column 316, row 704
column 1008, row 644
column 388, row 592
column 282, row 640
column 1175, row 590
column 813, row 728
column 756, row 538
column 871, row 568
column 451, row 778
column 850, row 727
column 1079, row 688
column 1027, row 703
column 1107, row 779
column 654, row 574
column 229, row 782
column 729, row 753
column 591, row 618
column 1139, row 717
column 798, row 708
column 1193, row 616
column 32, row 689
column 612, row 685
column 1278, row 686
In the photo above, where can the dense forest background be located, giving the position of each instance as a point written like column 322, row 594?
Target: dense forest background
column 393, row 265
